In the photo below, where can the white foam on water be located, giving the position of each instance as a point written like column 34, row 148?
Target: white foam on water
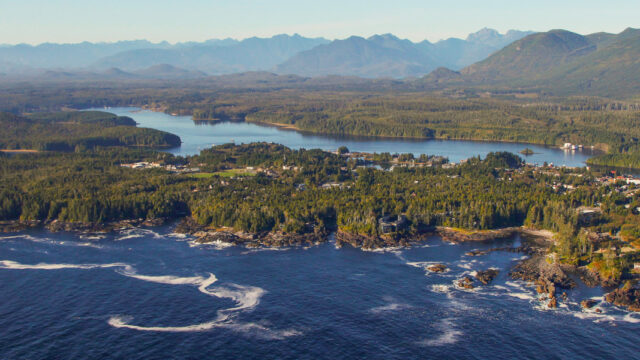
column 631, row 319
column 46, row 240
column 424, row 265
column 467, row 264
column 393, row 250
column 22, row 236
column 92, row 236
column 121, row 322
column 218, row 245
column 516, row 285
column 596, row 317
column 246, row 298
column 91, row 245
column 135, row 233
column 450, row 335
column 13, row 265
column 424, row 246
column 391, row 306
column 40, row 240
column 454, row 283
column 261, row 331
column 521, row 296
column 261, row 249
column 441, row 288
column 168, row 279
column 178, row 235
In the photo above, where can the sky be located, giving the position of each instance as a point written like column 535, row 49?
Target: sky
column 72, row 21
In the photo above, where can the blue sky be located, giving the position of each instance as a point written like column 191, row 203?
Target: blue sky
column 65, row 21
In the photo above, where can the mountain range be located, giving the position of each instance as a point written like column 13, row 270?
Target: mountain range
column 557, row 61
column 564, row 61
column 377, row 56
column 388, row 56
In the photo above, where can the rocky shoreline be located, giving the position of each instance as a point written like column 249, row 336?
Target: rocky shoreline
column 549, row 277
column 229, row 236
column 80, row 227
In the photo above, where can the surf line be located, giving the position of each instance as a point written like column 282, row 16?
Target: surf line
column 245, row 297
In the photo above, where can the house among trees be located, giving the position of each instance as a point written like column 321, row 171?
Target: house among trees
column 588, row 215
column 389, row 224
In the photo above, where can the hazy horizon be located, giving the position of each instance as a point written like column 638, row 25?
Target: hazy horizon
column 35, row 22
column 294, row 34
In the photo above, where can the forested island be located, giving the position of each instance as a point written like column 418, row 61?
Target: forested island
column 368, row 108
column 74, row 131
column 268, row 195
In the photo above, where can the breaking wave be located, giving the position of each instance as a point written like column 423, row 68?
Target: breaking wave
column 246, row 298
column 8, row 264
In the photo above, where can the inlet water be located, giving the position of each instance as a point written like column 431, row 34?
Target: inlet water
column 197, row 136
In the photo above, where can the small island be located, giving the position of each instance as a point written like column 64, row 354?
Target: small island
column 527, row 152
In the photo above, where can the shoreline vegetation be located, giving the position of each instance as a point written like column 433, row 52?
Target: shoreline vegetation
column 300, row 197
column 607, row 125
column 614, row 147
column 549, row 278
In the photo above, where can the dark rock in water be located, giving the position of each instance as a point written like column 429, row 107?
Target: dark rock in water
column 378, row 242
column 16, row 225
column 218, row 236
column 477, row 252
column 271, row 239
column 466, row 282
column 56, row 226
column 438, row 268
column 547, row 276
column 588, row 304
column 487, row 276
column 154, row 222
column 188, row 226
column 627, row 296
column 206, row 235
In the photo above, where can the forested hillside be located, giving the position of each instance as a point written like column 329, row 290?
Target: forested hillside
column 69, row 131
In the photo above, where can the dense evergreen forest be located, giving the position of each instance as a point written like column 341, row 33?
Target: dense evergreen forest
column 389, row 109
column 266, row 188
column 75, row 131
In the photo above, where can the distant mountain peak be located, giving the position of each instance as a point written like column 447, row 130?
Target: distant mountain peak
column 483, row 34
column 387, row 36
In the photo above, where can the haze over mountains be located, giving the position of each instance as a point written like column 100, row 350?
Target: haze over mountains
column 377, row 56
column 557, row 61
column 599, row 63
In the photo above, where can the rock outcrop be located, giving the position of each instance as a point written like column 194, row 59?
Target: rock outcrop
column 465, row 283
column 627, row 296
column 437, row 268
column 588, row 304
column 453, row 235
column 487, row 276
column 548, row 277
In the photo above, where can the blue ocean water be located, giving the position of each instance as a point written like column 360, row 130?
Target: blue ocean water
column 151, row 294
